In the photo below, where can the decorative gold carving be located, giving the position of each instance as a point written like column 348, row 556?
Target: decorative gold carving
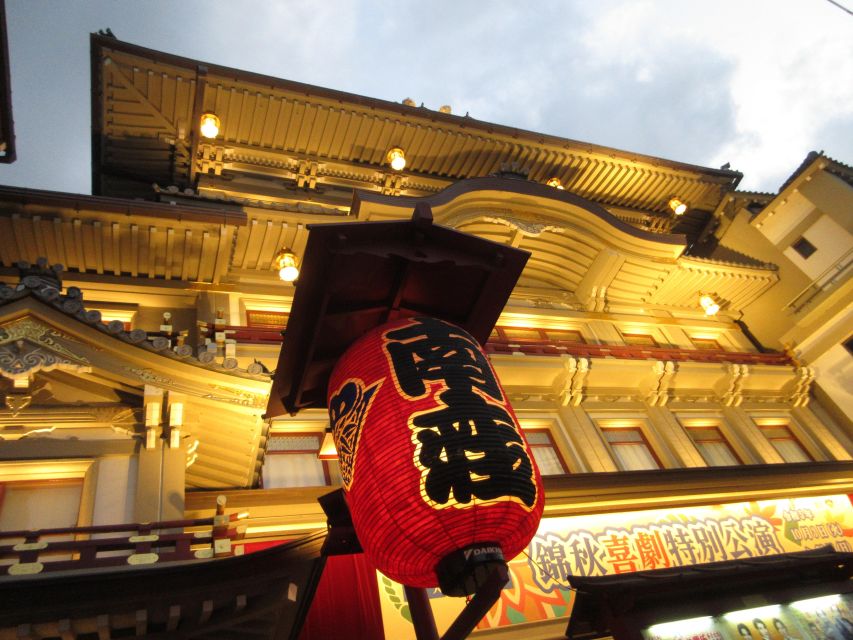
column 149, row 538
column 30, row 546
column 527, row 227
column 143, row 558
column 665, row 371
column 25, row 568
column 29, row 329
column 203, row 553
column 28, row 346
column 733, row 397
column 149, row 376
column 16, row 402
column 805, row 378
column 574, row 384
column 238, row 397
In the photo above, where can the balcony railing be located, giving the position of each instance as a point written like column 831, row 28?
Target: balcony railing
column 63, row 549
column 545, row 346
column 541, row 347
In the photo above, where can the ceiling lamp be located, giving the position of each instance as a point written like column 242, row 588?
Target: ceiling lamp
column 555, row 182
column 210, row 125
column 285, row 262
column 708, row 303
column 397, row 159
column 327, row 449
column 679, row 207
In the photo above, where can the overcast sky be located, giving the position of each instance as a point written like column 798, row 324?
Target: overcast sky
column 754, row 83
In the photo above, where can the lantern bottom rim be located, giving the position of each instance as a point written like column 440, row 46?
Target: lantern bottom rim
column 463, row 571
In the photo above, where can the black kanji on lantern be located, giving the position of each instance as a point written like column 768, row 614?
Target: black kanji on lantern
column 469, row 445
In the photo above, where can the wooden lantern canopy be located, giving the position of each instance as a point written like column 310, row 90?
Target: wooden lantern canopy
column 440, row 481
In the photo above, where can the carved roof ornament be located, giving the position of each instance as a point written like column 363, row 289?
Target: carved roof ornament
column 44, row 283
column 527, row 227
column 514, row 170
column 28, row 346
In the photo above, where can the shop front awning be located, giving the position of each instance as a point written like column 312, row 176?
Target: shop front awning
column 623, row 604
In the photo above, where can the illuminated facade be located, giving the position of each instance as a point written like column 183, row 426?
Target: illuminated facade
column 662, row 364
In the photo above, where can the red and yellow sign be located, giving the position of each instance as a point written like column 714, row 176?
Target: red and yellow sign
column 639, row 541
column 431, row 453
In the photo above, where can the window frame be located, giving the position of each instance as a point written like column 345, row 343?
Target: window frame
column 706, row 344
column 637, row 339
column 563, row 443
column 50, row 471
column 315, row 426
column 690, row 429
column 804, row 247
column 284, row 315
column 573, row 336
column 638, row 426
column 765, row 423
column 551, row 444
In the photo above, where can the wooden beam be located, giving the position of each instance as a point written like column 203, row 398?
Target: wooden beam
column 104, row 630
column 174, row 617
column 141, row 622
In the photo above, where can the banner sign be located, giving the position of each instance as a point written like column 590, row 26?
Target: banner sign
column 608, row 544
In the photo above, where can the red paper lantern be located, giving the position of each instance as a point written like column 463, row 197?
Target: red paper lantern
column 438, row 475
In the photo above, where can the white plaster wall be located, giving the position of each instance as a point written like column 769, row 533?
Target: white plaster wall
column 832, row 242
column 116, row 489
column 786, row 217
column 834, row 373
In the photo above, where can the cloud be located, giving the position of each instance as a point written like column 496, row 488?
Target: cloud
column 757, row 83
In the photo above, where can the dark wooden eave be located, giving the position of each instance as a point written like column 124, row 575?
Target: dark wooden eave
column 622, row 605
column 357, row 276
column 264, row 595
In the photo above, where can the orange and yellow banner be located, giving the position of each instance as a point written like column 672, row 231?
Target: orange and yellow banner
column 637, row 541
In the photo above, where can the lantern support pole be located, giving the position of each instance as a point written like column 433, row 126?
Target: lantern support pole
column 422, row 616
column 485, row 597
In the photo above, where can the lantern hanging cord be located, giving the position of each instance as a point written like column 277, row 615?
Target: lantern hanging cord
column 568, row 587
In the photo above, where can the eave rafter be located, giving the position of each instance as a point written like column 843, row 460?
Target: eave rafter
column 274, row 127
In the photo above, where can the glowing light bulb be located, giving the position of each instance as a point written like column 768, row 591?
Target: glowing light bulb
column 710, row 305
column 285, row 261
column 397, row 159
column 209, row 126
column 679, row 207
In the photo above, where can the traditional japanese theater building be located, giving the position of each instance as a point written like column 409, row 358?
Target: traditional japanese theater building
column 678, row 353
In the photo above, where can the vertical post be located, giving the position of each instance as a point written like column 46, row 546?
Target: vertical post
column 174, row 464
column 422, row 618
column 150, row 459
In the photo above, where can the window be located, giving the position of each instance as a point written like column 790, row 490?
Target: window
column 292, row 461
column 785, row 443
column 545, row 452
column 639, row 340
column 630, row 448
column 804, row 248
column 538, row 335
column 41, row 504
column 564, row 335
column 706, row 344
column 271, row 319
column 713, row 446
